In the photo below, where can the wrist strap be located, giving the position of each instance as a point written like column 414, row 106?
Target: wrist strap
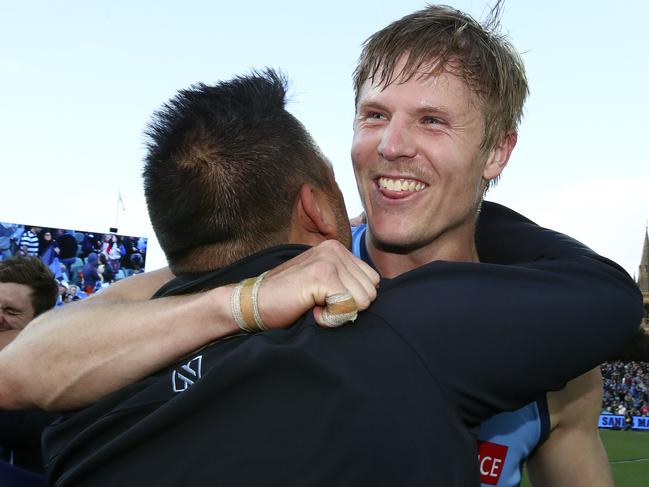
column 244, row 304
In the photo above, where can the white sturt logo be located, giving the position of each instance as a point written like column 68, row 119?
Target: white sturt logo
column 185, row 375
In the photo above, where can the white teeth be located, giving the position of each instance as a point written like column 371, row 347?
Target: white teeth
column 401, row 184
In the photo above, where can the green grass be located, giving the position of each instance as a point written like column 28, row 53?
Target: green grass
column 623, row 447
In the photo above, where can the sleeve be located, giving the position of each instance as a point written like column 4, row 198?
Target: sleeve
column 496, row 336
column 23, row 428
column 506, row 237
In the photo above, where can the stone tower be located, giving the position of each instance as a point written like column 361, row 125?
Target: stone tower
column 643, row 278
column 643, row 274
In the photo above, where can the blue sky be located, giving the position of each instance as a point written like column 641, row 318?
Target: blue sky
column 80, row 80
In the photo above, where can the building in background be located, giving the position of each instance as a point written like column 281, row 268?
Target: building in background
column 643, row 279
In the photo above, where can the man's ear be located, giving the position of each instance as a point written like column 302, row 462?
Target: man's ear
column 499, row 156
column 313, row 217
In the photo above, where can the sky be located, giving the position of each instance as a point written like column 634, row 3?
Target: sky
column 79, row 81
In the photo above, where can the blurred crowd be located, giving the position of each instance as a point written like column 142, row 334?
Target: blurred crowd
column 626, row 388
column 81, row 262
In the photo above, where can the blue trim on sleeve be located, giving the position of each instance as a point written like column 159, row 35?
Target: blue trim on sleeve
column 359, row 249
column 544, row 419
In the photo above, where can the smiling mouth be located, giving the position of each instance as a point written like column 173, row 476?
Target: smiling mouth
column 400, row 185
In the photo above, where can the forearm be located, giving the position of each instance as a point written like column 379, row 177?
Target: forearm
column 76, row 354
column 573, row 455
column 580, row 461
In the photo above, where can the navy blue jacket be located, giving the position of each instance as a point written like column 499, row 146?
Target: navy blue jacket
column 390, row 400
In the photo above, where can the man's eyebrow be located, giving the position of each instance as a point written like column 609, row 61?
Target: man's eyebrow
column 432, row 109
column 422, row 109
column 371, row 103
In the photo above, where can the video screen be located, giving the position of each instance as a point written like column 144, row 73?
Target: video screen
column 83, row 262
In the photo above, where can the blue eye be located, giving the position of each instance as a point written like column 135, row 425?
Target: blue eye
column 431, row 120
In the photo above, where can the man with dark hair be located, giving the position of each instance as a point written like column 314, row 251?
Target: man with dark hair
column 381, row 390
column 27, row 289
column 90, row 273
column 223, row 207
column 68, row 249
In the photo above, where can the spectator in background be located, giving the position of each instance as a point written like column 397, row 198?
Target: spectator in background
column 105, row 270
column 91, row 243
column 136, row 263
column 63, row 272
column 90, row 274
column 130, row 248
column 27, row 289
column 73, row 294
column 105, row 243
column 63, row 290
column 68, row 249
column 114, row 252
column 6, row 233
column 48, row 252
column 141, row 245
column 626, row 388
column 29, row 241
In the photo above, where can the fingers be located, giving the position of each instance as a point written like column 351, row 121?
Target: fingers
column 355, row 280
column 361, row 275
column 340, row 309
column 349, row 285
column 313, row 279
column 356, row 276
column 328, row 263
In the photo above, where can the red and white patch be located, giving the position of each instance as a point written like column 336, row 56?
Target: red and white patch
column 492, row 459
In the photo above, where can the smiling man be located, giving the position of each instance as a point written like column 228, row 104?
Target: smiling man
column 421, row 168
column 432, row 130
column 438, row 101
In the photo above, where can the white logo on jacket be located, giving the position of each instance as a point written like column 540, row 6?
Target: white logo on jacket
column 187, row 374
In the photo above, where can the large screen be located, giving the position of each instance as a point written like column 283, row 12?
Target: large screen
column 82, row 261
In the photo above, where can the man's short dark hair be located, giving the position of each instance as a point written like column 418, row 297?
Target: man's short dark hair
column 223, row 169
column 31, row 272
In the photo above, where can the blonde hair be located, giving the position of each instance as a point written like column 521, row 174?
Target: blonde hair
column 439, row 38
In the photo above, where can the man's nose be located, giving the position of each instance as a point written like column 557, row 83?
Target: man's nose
column 397, row 141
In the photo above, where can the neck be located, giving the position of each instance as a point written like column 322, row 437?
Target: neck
column 455, row 245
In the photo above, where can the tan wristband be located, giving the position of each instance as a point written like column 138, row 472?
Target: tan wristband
column 245, row 307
